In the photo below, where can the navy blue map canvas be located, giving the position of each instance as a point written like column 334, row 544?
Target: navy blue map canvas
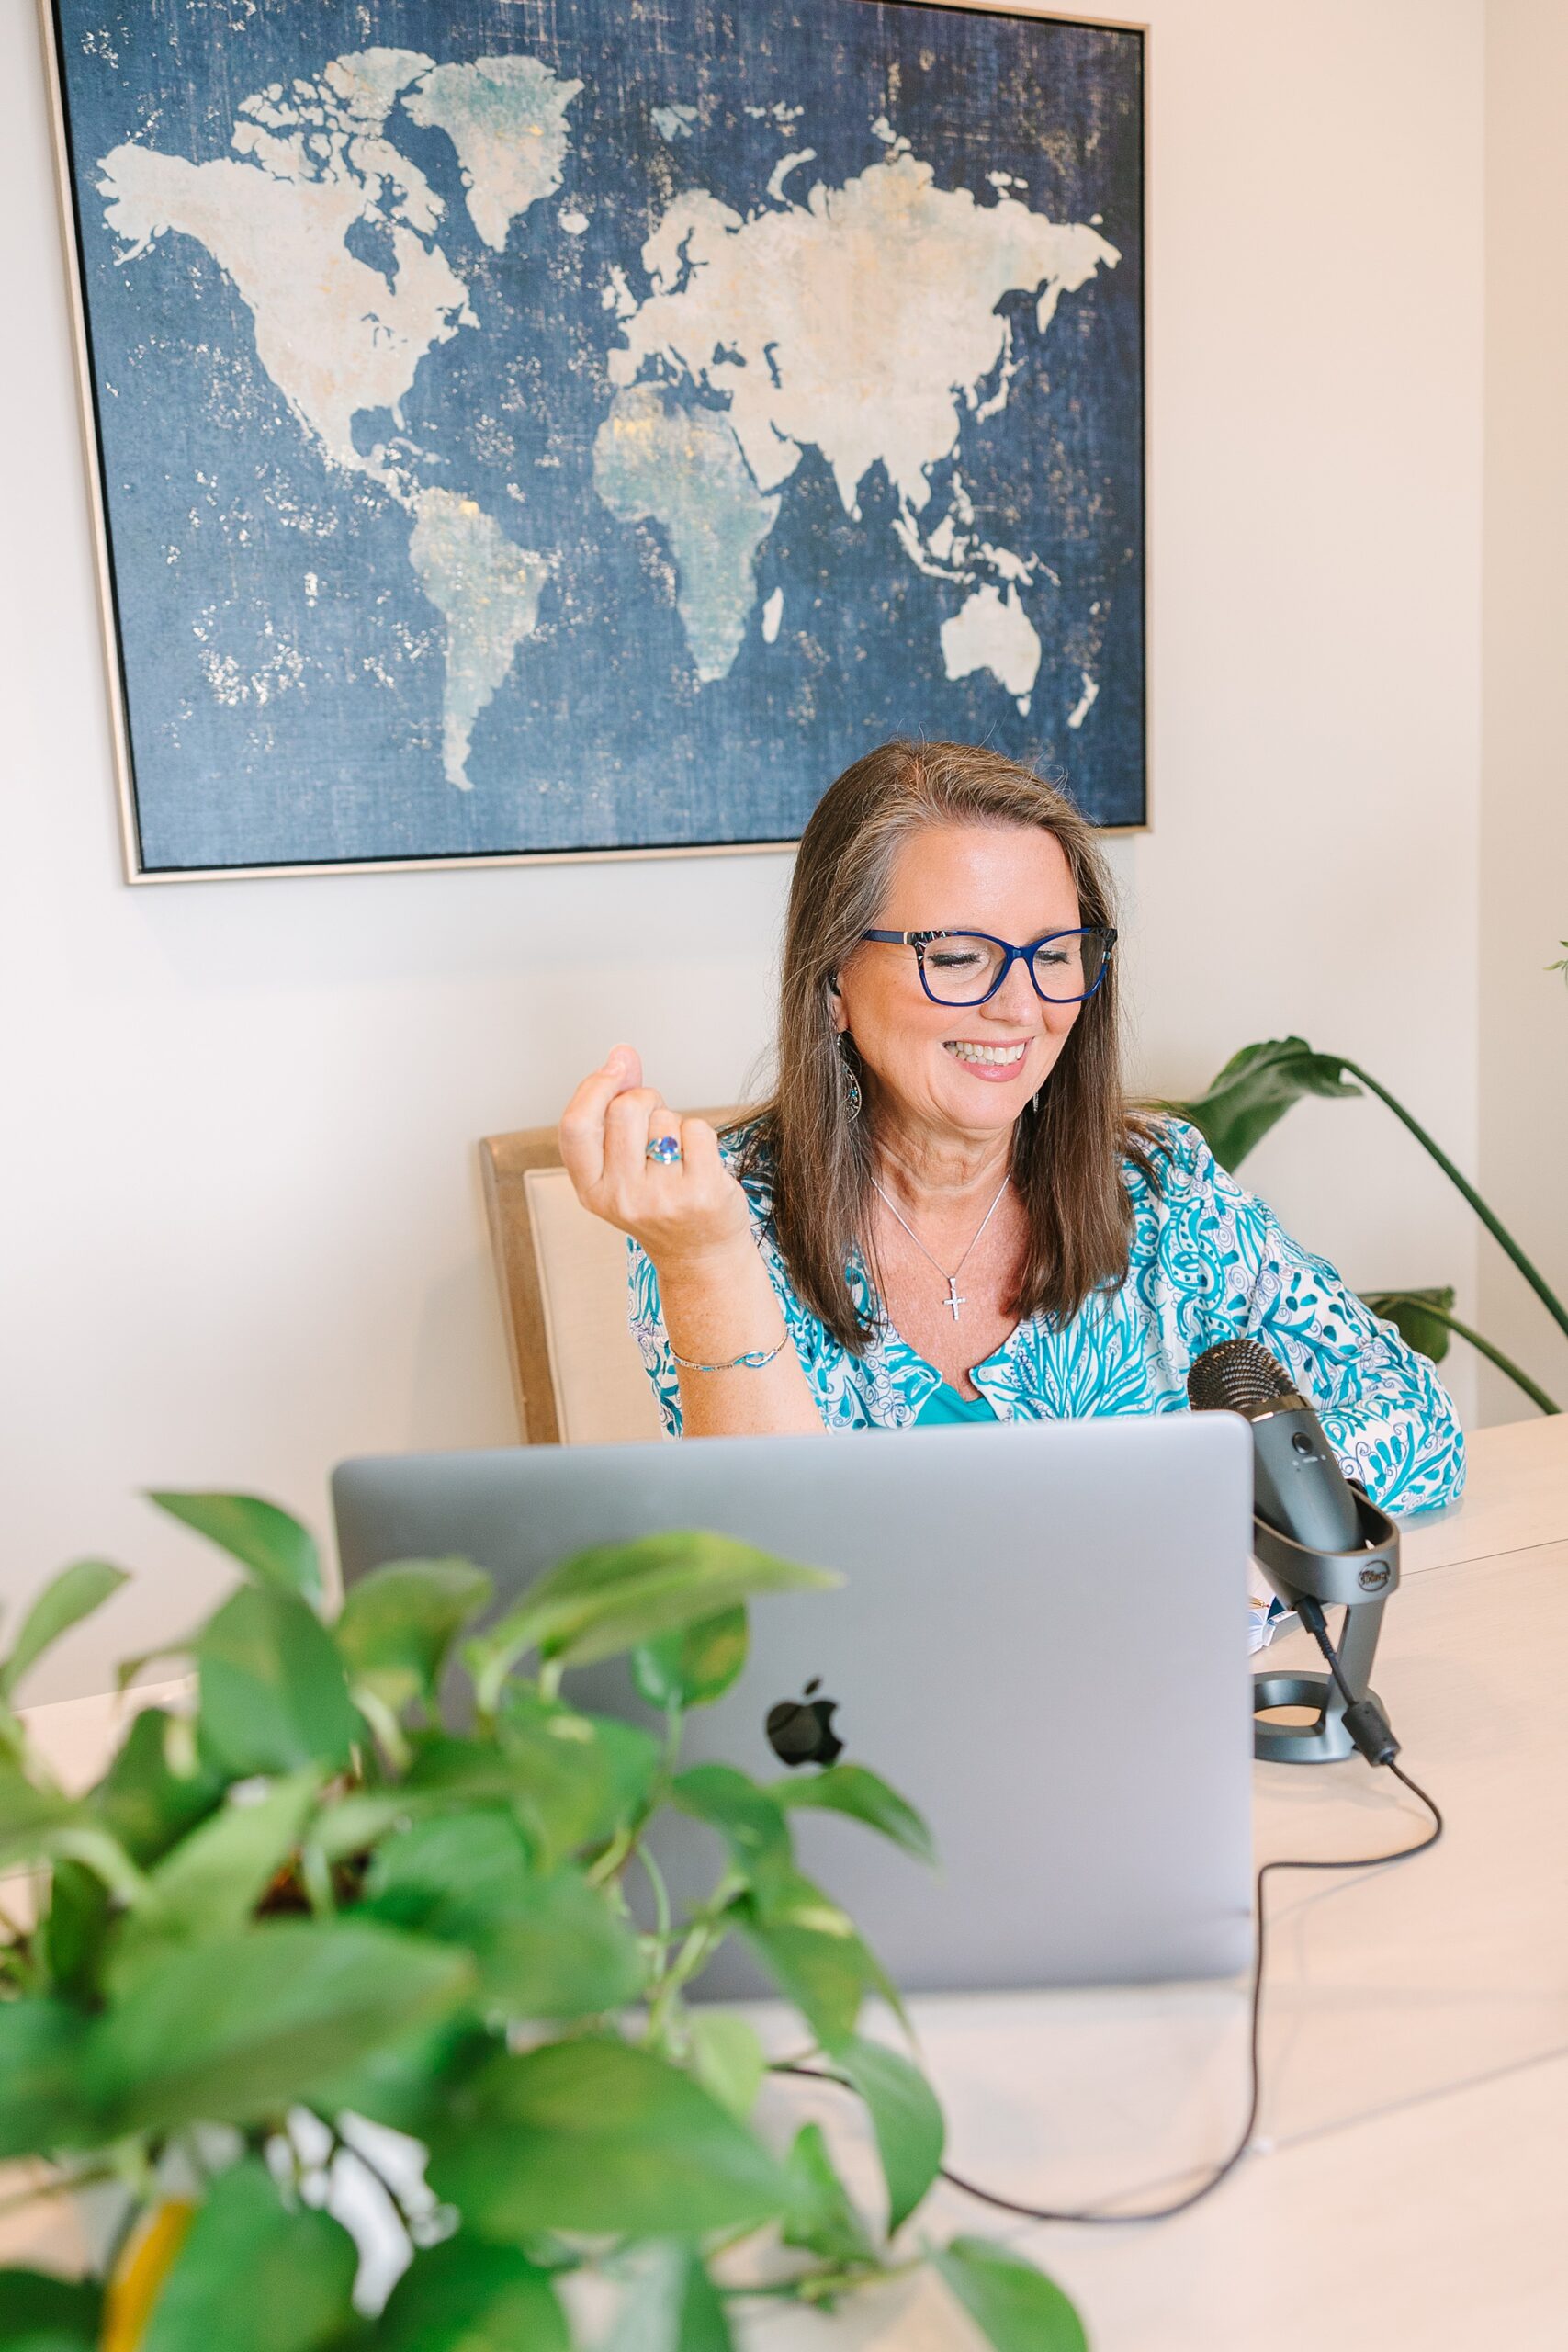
column 560, row 426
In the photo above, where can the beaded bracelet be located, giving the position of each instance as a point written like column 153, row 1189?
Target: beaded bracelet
column 753, row 1360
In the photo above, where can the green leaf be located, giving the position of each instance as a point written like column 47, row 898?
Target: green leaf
column 746, row 1815
column 406, row 2079
column 37, row 1825
column 446, row 1875
column 1015, row 2307
column 727, row 2059
column 812, row 1952
column 235, row 2029
column 562, row 1952
column 633, row 1761
column 905, row 2117
column 696, row 1663
column 30, row 1817
column 467, row 2295
column 672, row 2304
column 41, row 2313
column 619, row 1595
column 277, row 1551
column 358, row 1823
column 73, row 1594
column 865, row 1796
column 562, row 1784
column 820, row 2216
column 143, row 1802
column 546, row 1946
column 42, row 2042
column 1256, row 1089
column 255, row 2276
column 75, row 1934
column 595, row 2135
column 1404, row 1308
column 274, row 1695
column 398, row 1624
column 575, row 1777
column 212, row 1882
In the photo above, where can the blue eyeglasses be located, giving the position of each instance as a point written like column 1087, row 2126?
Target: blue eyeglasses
column 967, row 967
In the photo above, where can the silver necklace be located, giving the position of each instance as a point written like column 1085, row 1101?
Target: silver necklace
column 953, row 1301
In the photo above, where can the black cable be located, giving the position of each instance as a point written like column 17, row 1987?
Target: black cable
column 1244, row 2140
column 1223, row 2171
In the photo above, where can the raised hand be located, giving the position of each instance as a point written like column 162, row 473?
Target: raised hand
column 684, row 1212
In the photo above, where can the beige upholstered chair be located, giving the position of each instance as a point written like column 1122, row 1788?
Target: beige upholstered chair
column 576, row 1372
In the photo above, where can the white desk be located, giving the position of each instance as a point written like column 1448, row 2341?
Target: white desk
column 1516, row 1496
column 1410, row 2188
column 1410, row 2193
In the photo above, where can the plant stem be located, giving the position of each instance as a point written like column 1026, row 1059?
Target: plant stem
column 707, row 1928
column 316, row 1878
column 661, row 1897
column 1538, row 1396
column 1498, row 1231
column 66, row 2186
column 613, row 1856
column 834, row 2279
column 383, row 1721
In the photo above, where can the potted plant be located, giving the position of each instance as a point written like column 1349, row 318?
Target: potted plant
column 336, row 1994
column 1253, row 1092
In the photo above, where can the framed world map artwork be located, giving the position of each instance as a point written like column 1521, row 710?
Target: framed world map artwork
column 561, row 427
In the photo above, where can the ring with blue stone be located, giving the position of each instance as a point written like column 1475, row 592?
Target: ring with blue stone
column 665, row 1149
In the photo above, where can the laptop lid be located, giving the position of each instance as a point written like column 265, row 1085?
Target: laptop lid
column 1040, row 1641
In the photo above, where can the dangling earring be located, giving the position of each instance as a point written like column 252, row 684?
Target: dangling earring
column 854, row 1098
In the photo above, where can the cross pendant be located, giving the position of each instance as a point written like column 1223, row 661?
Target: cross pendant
column 953, row 1301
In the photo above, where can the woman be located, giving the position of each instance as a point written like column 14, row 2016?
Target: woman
column 947, row 1210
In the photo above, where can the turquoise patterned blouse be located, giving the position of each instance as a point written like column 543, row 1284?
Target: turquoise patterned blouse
column 1208, row 1262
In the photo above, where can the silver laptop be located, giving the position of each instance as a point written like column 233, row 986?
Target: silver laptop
column 1040, row 1640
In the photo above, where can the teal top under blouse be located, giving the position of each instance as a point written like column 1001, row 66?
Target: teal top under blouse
column 1207, row 1261
column 945, row 1404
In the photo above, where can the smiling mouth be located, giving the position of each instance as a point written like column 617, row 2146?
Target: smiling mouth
column 993, row 1056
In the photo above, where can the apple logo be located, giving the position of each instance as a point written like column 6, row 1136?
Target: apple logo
column 800, row 1731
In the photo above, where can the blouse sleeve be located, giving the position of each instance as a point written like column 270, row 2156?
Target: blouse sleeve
column 1386, row 1414
column 646, row 1315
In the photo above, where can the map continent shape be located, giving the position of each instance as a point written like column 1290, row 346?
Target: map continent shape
column 861, row 323
column 506, row 119
column 487, row 589
column 655, row 458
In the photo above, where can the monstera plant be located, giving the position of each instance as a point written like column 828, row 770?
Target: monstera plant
column 1253, row 1092
column 333, row 2014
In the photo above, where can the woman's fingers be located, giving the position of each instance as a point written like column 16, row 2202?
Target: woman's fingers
column 699, row 1150
column 690, row 1203
column 630, row 1119
column 581, row 1130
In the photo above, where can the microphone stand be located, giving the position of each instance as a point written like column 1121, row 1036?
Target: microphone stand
column 1359, row 1582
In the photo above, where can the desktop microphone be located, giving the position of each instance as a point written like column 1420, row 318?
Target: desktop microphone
column 1317, row 1539
column 1298, row 1487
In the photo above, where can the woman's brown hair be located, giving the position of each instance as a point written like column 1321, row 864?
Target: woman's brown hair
column 1067, row 1152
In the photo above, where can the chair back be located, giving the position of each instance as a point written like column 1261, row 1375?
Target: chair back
column 576, row 1372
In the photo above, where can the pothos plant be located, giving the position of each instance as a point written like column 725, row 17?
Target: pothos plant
column 334, row 1985
column 1253, row 1092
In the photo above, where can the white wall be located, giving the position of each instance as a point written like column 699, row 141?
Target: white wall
column 1524, row 864
column 242, row 1228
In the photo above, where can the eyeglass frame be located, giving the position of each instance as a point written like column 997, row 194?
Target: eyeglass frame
column 920, row 940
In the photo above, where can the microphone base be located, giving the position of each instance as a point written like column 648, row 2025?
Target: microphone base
column 1323, row 1742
